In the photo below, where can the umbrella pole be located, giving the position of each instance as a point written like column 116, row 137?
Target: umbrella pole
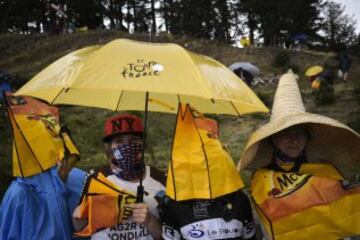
column 140, row 188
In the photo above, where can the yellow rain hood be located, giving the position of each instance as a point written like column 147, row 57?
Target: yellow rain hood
column 38, row 142
column 200, row 167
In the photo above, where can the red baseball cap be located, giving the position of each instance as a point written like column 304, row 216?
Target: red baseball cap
column 120, row 124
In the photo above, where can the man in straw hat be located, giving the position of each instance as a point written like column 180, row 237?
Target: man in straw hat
column 203, row 199
column 298, row 193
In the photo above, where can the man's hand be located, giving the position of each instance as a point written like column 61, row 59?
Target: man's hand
column 142, row 215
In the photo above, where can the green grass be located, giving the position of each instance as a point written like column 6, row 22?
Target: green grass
column 24, row 56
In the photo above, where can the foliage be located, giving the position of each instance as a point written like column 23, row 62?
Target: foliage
column 325, row 94
column 339, row 28
column 281, row 59
column 294, row 67
column 356, row 92
column 277, row 22
column 354, row 121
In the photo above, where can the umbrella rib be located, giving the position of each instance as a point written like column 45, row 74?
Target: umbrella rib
column 237, row 112
column 52, row 102
column 120, row 97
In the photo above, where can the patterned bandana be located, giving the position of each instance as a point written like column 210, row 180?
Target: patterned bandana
column 126, row 163
column 279, row 158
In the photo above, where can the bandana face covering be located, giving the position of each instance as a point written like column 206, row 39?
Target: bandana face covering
column 126, row 163
column 280, row 159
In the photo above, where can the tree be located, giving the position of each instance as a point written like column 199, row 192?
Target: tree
column 222, row 21
column 87, row 12
column 338, row 28
column 17, row 14
column 278, row 20
column 115, row 14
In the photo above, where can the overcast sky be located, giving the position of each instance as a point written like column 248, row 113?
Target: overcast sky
column 352, row 7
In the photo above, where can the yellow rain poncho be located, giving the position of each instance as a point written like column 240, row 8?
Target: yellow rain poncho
column 313, row 199
column 39, row 142
column 200, row 167
column 312, row 202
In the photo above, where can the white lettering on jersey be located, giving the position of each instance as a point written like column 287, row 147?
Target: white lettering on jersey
column 169, row 233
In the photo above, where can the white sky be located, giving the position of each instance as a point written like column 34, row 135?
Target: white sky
column 352, row 8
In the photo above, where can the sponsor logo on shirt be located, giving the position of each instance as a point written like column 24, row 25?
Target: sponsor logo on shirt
column 200, row 209
column 215, row 228
column 169, row 233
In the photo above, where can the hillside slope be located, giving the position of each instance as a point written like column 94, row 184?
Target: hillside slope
column 24, row 56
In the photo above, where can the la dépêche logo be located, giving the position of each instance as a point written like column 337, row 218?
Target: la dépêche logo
column 142, row 68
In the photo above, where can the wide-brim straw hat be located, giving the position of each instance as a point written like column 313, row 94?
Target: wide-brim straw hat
column 330, row 141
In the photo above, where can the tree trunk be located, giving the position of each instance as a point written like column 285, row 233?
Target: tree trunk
column 133, row 5
column 153, row 17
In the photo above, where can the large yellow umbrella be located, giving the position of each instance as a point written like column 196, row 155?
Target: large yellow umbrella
column 131, row 75
column 118, row 75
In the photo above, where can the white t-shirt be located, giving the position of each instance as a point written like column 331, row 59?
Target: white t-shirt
column 130, row 229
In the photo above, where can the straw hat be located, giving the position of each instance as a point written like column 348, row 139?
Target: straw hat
column 331, row 141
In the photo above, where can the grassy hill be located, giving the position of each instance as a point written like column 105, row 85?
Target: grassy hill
column 24, row 56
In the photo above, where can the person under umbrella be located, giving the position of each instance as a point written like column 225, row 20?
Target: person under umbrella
column 123, row 145
column 203, row 198
column 245, row 70
column 297, row 191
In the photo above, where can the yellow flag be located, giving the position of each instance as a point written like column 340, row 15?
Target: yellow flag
column 102, row 205
column 311, row 204
column 200, row 167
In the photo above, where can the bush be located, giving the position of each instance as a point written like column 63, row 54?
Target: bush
column 354, row 121
column 325, row 94
column 295, row 68
column 281, row 59
column 356, row 92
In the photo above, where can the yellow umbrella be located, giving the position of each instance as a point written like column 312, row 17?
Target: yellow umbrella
column 124, row 74
column 117, row 75
column 314, row 70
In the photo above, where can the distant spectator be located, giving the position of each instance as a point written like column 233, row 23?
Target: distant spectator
column 344, row 65
column 244, row 75
column 245, row 41
column 5, row 79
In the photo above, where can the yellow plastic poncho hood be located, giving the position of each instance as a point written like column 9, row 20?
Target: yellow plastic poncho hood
column 38, row 142
column 200, row 167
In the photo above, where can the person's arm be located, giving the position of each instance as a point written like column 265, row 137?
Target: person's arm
column 142, row 215
column 78, row 223
column 248, row 231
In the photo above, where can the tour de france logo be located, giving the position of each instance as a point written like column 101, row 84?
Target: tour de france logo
column 142, row 68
